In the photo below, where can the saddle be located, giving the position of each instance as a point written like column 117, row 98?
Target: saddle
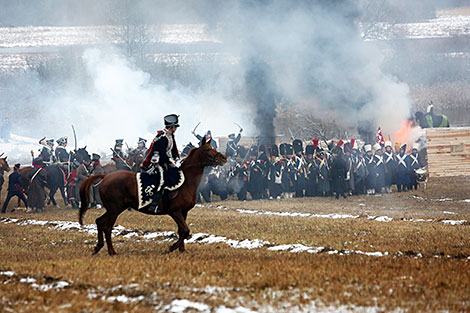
column 149, row 184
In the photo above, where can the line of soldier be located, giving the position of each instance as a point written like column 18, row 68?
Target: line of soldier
column 338, row 169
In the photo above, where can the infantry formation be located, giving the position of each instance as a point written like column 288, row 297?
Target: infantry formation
column 298, row 169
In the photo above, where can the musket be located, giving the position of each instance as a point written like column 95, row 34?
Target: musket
column 74, row 137
column 194, row 130
column 114, row 151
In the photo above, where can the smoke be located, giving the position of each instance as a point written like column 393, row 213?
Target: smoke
column 121, row 101
column 316, row 56
column 303, row 52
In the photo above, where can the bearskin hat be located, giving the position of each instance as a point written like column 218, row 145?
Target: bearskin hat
column 297, row 146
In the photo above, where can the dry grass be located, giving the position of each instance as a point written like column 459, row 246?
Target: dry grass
column 252, row 278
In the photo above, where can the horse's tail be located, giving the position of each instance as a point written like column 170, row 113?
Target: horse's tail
column 84, row 192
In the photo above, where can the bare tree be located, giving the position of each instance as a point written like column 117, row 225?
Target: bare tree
column 132, row 31
column 378, row 20
column 307, row 124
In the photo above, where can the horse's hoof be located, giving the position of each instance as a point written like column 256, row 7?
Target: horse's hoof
column 173, row 247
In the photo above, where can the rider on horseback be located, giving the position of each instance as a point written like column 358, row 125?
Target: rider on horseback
column 163, row 156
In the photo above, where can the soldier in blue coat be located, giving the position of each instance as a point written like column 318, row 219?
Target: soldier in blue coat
column 403, row 169
column 15, row 188
column 414, row 165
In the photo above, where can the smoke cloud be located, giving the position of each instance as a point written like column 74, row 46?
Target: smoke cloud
column 306, row 53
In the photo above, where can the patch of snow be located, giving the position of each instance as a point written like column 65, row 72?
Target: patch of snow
column 8, row 273
column 453, row 222
column 27, row 280
column 381, row 218
column 448, row 212
column 183, row 305
column 124, row 299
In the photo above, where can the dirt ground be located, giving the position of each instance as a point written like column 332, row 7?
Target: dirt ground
column 399, row 252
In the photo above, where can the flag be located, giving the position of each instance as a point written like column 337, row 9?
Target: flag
column 380, row 138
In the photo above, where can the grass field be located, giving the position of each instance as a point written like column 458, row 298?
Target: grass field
column 399, row 252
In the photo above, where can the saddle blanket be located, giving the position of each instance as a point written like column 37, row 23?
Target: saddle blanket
column 149, row 184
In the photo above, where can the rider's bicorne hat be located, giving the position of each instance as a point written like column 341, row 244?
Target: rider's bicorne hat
column 142, row 140
column 119, row 142
column 171, row 120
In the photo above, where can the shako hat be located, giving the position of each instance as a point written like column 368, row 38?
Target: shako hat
column 415, row 146
column 62, row 140
column 119, row 142
column 142, row 140
column 367, row 148
column 95, row 157
column 171, row 120
column 231, row 136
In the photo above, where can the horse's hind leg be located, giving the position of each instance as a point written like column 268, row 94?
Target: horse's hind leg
column 62, row 192
column 99, row 225
column 108, row 228
column 52, row 192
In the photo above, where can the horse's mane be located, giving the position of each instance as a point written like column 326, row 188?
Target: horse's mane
column 190, row 154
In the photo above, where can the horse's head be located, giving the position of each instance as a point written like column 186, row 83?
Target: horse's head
column 210, row 156
column 4, row 164
column 81, row 155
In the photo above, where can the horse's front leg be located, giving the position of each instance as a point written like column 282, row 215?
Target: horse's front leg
column 183, row 231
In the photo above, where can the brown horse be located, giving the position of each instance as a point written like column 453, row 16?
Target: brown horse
column 118, row 192
column 4, row 167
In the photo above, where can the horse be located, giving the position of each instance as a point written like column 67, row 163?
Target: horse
column 119, row 191
column 431, row 120
column 56, row 177
column 4, row 167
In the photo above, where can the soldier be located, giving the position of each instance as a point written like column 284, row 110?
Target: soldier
column 137, row 155
column 232, row 144
column 36, row 193
column 274, row 174
column 403, row 169
column 61, row 153
column 238, row 176
column 349, row 159
column 163, row 153
column 96, row 169
column 72, row 179
column 360, row 174
column 208, row 137
column 311, row 171
column 338, row 171
column 15, row 188
column 119, row 157
column 300, row 166
column 390, row 167
column 379, row 168
column 414, row 165
column 323, row 174
column 47, row 152
column 82, row 174
column 371, row 179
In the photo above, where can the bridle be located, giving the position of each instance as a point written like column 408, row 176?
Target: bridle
column 212, row 161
